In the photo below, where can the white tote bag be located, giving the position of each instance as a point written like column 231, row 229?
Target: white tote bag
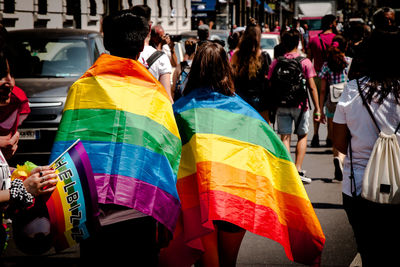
column 336, row 90
column 381, row 181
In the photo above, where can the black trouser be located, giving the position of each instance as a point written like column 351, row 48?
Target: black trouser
column 377, row 230
column 127, row 243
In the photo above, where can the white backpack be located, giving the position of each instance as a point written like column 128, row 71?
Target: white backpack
column 381, row 181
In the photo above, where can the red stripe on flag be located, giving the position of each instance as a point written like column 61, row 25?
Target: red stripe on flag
column 56, row 215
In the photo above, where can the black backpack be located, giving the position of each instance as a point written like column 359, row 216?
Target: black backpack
column 182, row 80
column 288, row 83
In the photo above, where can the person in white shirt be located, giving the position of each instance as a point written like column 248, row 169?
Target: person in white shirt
column 375, row 225
column 161, row 68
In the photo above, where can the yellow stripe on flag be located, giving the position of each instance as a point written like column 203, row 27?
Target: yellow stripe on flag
column 65, row 206
column 255, row 159
column 117, row 95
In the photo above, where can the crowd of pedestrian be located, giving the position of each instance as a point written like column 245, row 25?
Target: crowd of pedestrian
column 345, row 74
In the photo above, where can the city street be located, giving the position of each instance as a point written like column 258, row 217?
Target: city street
column 325, row 195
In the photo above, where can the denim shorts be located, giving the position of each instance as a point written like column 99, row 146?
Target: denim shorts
column 287, row 118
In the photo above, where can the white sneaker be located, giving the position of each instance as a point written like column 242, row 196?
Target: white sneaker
column 304, row 178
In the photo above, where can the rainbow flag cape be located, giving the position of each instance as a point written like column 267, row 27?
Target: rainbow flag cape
column 125, row 120
column 235, row 168
column 72, row 207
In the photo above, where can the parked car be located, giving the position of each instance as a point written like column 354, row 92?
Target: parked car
column 48, row 62
column 268, row 42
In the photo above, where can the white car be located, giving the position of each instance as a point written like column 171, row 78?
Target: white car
column 268, row 42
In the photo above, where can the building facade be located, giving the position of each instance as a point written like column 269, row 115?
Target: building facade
column 173, row 15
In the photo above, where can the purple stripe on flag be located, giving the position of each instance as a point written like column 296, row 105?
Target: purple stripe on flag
column 139, row 195
column 83, row 167
column 89, row 174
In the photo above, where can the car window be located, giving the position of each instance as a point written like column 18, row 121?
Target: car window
column 51, row 58
column 98, row 48
column 268, row 43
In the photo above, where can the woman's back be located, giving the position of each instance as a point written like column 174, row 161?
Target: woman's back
column 352, row 112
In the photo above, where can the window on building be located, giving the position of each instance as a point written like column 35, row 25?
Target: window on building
column 185, row 7
column 93, row 8
column 9, row 6
column 70, row 7
column 159, row 8
column 42, row 7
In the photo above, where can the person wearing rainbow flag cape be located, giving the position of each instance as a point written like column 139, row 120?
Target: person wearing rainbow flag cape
column 235, row 175
column 124, row 119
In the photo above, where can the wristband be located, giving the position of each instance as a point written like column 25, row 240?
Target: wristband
column 317, row 114
column 19, row 195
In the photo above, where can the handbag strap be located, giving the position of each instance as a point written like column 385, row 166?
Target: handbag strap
column 353, row 189
column 367, row 106
column 347, row 74
column 369, row 109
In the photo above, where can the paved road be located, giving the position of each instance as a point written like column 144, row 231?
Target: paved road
column 325, row 196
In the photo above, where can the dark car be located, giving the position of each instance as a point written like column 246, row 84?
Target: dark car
column 48, row 62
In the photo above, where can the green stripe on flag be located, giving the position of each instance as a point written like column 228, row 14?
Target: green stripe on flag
column 220, row 122
column 106, row 125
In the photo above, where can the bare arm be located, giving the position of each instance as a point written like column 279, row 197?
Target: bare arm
column 341, row 135
column 314, row 97
column 322, row 99
column 4, row 196
column 165, row 80
column 175, row 79
column 9, row 144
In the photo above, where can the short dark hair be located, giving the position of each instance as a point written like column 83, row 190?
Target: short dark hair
column 290, row 39
column 381, row 21
column 211, row 69
column 124, row 34
column 142, row 10
column 203, row 31
column 327, row 21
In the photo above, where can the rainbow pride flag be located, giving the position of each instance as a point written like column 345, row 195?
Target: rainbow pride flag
column 125, row 120
column 72, row 207
column 235, row 168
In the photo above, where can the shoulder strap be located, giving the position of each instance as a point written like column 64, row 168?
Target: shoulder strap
column 150, row 61
column 184, row 64
column 299, row 59
column 322, row 43
column 369, row 109
column 366, row 105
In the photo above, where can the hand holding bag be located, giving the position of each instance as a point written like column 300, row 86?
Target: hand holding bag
column 336, row 90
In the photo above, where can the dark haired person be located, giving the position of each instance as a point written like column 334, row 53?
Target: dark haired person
column 286, row 116
column 182, row 70
column 14, row 108
column 227, row 173
column 375, row 225
column 334, row 71
column 384, row 19
column 155, row 61
column 203, row 33
column 42, row 180
column 316, row 51
column 129, row 201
